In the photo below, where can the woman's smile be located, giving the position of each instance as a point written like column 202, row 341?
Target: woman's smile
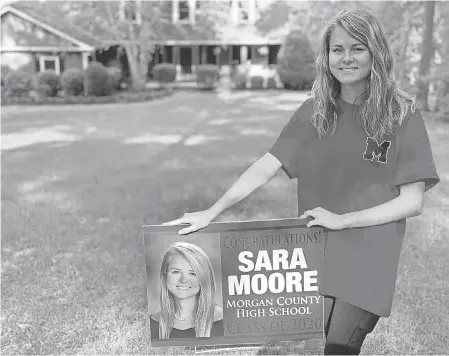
column 349, row 70
column 182, row 280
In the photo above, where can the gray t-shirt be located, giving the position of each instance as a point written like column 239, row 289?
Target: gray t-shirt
column 349, row 172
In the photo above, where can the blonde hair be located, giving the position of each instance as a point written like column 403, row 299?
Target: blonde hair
column 384, row 104
column 203, row 269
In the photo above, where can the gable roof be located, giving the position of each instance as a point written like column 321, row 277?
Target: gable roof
column 34, row 12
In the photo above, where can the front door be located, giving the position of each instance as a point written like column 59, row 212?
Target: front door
column 185, row 54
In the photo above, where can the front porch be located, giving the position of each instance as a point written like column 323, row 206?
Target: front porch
column 227, row 57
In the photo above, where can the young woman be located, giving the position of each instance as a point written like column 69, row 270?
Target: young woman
column 187, row 284
column 362, row 157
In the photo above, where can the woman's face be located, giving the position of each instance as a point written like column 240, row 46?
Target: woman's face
column 182, row 281
column 349, row 60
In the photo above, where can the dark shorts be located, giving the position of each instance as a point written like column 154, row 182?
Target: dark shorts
column 346, row 324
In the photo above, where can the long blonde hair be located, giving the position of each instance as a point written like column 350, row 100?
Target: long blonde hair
column 384, row 104
column 202, row 266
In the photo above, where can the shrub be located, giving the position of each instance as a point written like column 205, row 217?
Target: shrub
column 164, row 73
column 44, row 91
column 116, row 75
column 256, row 82
column 444, row 109
column 98, row 80
column 72, row 81
column 50, row 79
column 271, row 83
column 296, row 62
column 18, row 83
column 207, row 75
column 5, row 69
column 121, row 97
column 240, row 80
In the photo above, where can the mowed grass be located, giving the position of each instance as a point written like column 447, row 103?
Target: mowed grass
column 78, row 183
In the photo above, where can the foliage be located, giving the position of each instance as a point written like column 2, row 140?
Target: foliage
column 121, row 97
column 4, row 72
column 98, row 80
column 137, row 23
column 50, row 79
column 444, row 109
column 72, row 82
column 271, row 83
column 207, row 75
column 164, row 73
column 18, row 83
column 44, row 91
column 256, row 82
column 296, row 62
column 116, row 76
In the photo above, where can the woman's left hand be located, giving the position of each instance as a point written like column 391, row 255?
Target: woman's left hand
column 324, row 218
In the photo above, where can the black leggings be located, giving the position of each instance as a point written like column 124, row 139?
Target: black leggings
column 346, row 327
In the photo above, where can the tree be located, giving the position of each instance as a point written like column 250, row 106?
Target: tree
column 427, row 51
column 296, row 64
column 136, row 24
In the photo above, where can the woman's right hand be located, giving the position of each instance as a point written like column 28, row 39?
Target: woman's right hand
column 197, row 221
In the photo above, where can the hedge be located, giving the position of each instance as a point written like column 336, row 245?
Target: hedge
column 121, row 97
column 207, row 76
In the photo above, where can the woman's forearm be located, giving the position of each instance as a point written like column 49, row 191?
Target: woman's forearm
column 254, row 177
column 398, row 208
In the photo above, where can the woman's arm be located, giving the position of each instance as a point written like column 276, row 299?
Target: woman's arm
column 255, row 176
column 409, row 203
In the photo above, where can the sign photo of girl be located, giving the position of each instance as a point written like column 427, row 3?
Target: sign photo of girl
column 187, row 297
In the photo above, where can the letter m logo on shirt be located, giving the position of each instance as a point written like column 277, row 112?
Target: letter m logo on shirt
column 374, row 150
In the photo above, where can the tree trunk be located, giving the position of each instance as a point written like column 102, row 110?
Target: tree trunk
column 426, row 55
column 405, row 31
column 138, row 75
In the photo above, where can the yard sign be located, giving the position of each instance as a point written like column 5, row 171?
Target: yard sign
column 267, row 275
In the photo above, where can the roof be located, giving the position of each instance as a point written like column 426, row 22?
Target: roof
column 52, row 15
column 46, row 18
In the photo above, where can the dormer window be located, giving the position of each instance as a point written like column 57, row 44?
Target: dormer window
column 131, row 11
column 243, row 11
column 184, row 11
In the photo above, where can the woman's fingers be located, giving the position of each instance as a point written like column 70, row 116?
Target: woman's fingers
column 308, row 213
column 179, row 221
column 188, row 230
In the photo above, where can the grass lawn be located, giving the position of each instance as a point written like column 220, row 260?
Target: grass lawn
column 78, row 183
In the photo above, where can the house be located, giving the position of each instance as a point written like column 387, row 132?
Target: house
column 33, row 41
column 34, row 38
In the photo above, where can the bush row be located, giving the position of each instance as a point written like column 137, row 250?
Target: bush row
column 120, row 97
column 98, row 79
column 207, row 75
column 245, row 81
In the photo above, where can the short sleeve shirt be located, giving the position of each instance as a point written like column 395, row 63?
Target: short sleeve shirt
column 349, row 171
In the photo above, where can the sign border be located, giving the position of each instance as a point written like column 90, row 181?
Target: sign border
column 220, row 227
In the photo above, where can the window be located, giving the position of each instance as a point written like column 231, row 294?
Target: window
column 131, row 11
column 243, row 11
column 49, row 63
column 184, row 11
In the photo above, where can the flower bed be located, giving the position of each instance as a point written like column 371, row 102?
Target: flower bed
column 119, row 97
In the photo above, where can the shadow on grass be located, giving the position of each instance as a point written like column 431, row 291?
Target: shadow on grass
column 73, row 271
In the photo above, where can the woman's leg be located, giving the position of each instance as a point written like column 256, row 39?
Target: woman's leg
column 346, row 327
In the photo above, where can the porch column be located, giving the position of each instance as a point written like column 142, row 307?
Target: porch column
column 203, row 55
column 85, row 59
column 253, row 53
column 195, row 58
column 176, row 60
